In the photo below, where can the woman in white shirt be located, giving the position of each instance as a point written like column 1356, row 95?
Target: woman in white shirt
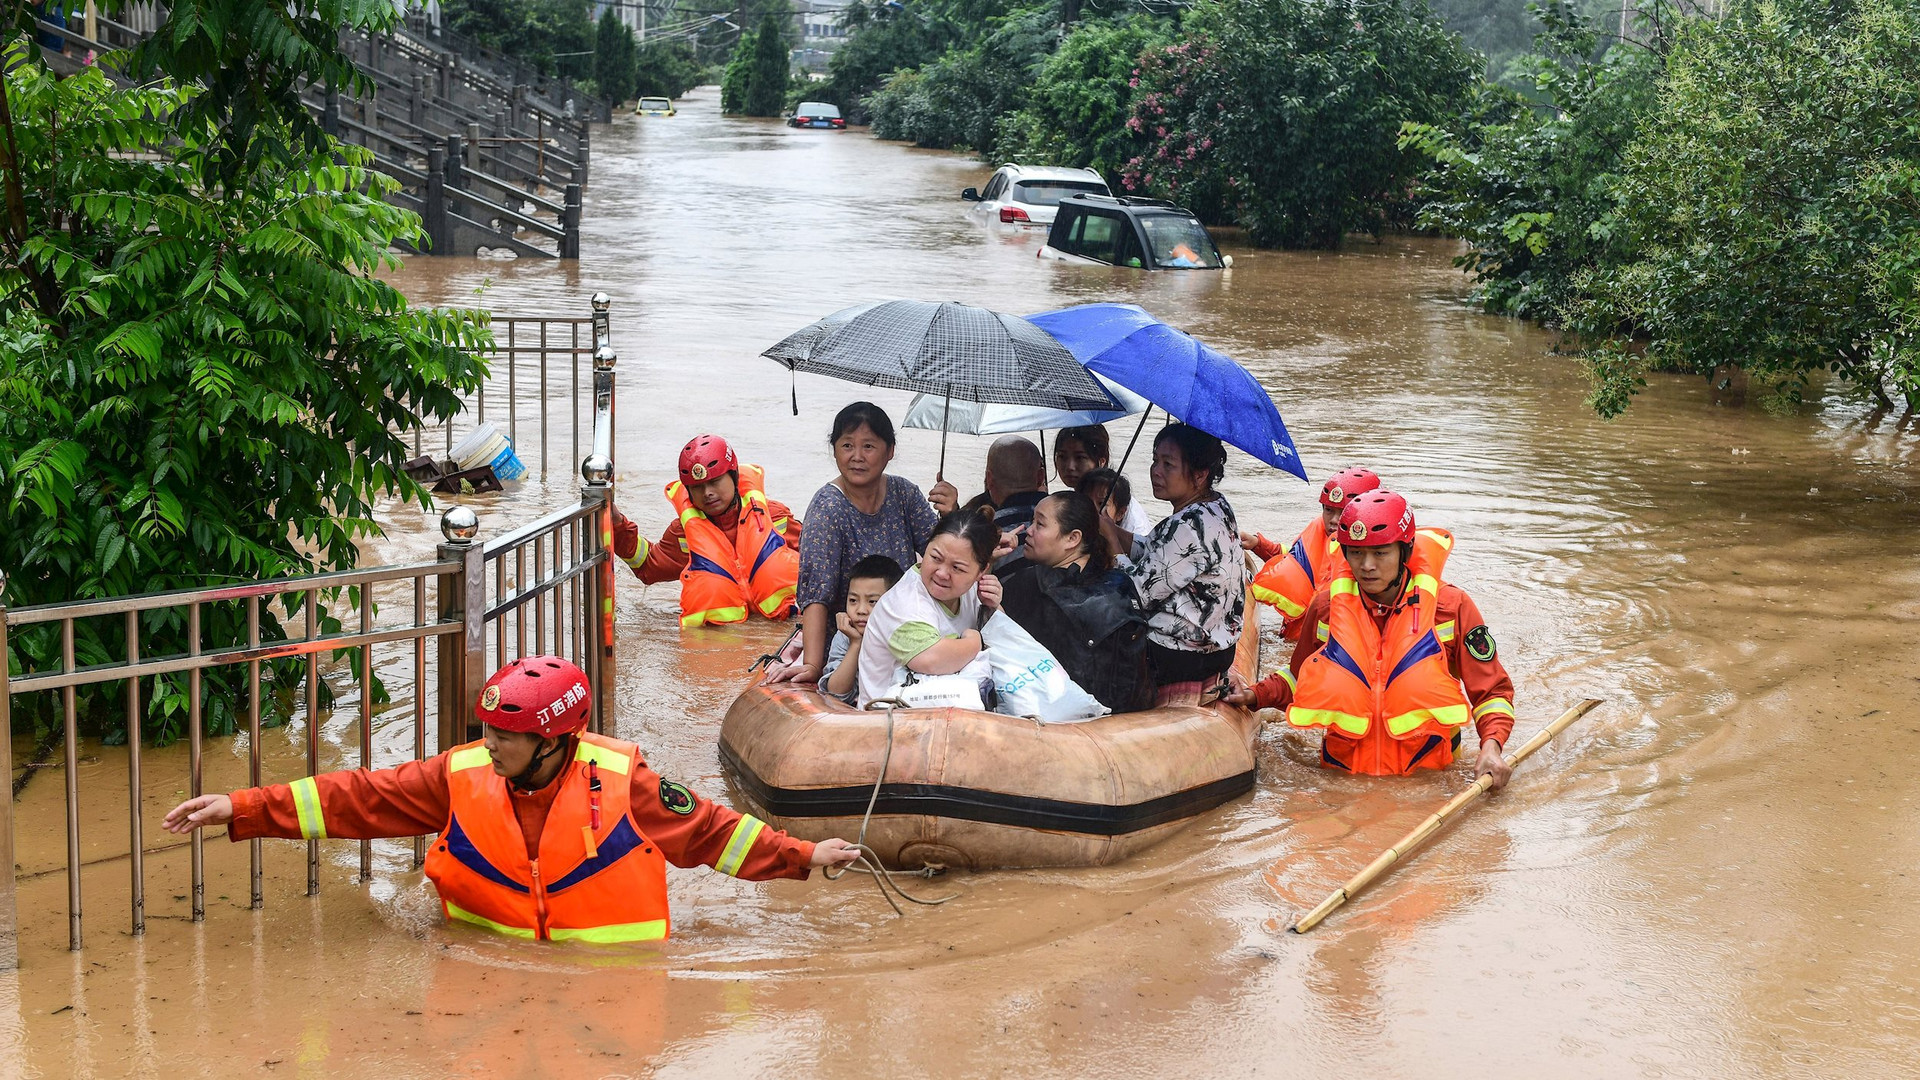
column 929, row 623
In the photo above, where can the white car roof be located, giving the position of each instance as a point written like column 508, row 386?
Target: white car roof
column 1049, row 172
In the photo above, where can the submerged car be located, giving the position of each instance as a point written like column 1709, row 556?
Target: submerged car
column 816, row 114
column 1030, row 194
column 1146, row 234
column 654, row 106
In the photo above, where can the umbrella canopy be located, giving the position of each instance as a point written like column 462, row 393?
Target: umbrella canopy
column 933, row 413
column 954, row 350
column 1198, row 384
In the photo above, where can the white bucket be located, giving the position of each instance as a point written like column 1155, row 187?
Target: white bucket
column 487, row 445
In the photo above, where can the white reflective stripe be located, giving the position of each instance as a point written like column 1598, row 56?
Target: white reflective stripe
column 1321, row 632
column 1287, row 674
column 741, row 843
column 306, row 805
column 1493, row 705
column 1444, row 631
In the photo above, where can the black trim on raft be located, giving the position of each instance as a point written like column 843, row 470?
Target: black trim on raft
column 991, row 807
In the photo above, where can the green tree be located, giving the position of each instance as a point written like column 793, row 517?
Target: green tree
column 1286, row 114
column 554, row 35
column 738, row 77
column 883, row 41
column 1529, row 183
column 614, row 54
column 202, row 377
column 1768, row 207
column 769, row 69
column 666, row 68
column 1075, row 114
column 958, row 100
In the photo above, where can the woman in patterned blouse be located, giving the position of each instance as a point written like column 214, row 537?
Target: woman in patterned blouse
column 865, row 511
column 1188, row 570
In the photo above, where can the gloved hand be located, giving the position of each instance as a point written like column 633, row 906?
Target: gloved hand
column 626, row 537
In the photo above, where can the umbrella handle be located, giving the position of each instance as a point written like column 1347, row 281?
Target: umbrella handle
column 1136, row 438
column 946, row 417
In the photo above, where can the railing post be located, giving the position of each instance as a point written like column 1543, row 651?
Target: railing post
column 416, row 105
column 584, row 153
column 330, row 114
column 597, row 471
column 9, row 909
column 473, row 147
column 455, row 170
column 570, row 237
column 463, row 598
column 439, row 240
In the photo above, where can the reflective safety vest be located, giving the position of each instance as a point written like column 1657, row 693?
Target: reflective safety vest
column 1289, row 580
column 726, row 574
column 604, row 884
column 1397, row 677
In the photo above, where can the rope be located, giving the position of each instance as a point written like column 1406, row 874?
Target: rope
column 869, row 860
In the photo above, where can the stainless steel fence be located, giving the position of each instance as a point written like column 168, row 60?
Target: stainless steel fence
column 546, row 587
column 536, row 360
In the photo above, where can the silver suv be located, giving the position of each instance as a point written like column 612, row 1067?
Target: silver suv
column 1028, row 194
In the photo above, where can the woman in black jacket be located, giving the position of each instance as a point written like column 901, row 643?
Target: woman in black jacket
column 1067, row 594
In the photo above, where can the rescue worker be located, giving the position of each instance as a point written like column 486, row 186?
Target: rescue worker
column 1398, row 661
column 736, row 552
column 546, row 830
column 1290, row 576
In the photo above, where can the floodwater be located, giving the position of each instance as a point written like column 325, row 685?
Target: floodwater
column 1715, row 875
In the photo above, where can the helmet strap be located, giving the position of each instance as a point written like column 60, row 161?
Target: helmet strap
column 524, row 782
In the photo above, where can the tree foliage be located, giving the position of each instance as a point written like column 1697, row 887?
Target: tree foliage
column 555, row 36
column 614, row 57
column 959, row 99
column 666, row 68
column 1767, row 208
column 1289, row 111
column 770, row 68
column 202, row 379
column 1076, row 112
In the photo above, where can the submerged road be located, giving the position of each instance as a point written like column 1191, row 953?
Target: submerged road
column 1712, row 876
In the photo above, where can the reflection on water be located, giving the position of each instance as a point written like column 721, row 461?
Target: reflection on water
column 1711, row 876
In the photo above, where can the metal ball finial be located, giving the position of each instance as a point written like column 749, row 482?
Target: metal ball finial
column 601, row 301
column 604, row 358
column 459, row 525
column 596, row 469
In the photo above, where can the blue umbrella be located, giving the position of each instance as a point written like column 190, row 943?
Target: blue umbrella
column 1168, row 367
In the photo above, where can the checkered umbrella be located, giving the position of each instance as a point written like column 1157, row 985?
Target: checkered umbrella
column 954, row 350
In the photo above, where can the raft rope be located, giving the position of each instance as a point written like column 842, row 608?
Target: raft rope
column 869, row 860
column 767, row 660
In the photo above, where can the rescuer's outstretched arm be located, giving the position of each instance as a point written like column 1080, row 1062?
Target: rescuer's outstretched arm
column 408, row 800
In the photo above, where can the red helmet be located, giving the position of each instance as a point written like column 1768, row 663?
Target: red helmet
column 543, row 695
column 706, row 457
column 1376, row 519
column 1345, row 485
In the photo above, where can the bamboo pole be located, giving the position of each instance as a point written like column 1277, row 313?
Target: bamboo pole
column 1432, row 825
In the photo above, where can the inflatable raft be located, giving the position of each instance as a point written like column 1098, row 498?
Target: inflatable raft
column 978, row 789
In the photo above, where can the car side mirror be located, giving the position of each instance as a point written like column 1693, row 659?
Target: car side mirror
column 1226, row 262
column 970, row 195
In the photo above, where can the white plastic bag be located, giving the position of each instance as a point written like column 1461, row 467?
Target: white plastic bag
column 958, row 691
column 1030, row 681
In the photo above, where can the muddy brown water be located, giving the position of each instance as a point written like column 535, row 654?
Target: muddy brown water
column 1712, row 876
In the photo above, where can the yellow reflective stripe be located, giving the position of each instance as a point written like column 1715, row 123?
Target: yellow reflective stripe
column 1321, row 631
column 639, row 553
column 773, row 603
column 1287, row 674
column 604, row 756
column 1445, row 716
column 689, row 514
column 306, row 803
column 1347, row 722
column 744, row 835
column 716, row 615
column 1425, row 583
column 1493, row 705
column 654, row 930
column 1344, row 587
column 1443, row 631
column 1267, row 596
column 1438, row 537
column 454, row 912
column 779, row 525
column 472, row 757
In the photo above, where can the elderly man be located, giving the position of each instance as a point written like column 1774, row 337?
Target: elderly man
column 1016, row 481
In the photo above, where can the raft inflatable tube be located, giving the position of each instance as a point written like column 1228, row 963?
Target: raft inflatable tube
column 980, row 790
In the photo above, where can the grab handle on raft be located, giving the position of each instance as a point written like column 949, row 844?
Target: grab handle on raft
column 1428, row 827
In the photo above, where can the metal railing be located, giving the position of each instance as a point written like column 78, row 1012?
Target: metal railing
column 533, row 359
column 544, row 587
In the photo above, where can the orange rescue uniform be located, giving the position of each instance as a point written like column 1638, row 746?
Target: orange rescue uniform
column 1488, row 690
column 643, row 819
column 747, row 555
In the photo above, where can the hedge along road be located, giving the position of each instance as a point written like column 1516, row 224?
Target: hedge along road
column 1711, row 876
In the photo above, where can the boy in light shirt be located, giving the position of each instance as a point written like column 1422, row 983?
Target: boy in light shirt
column 871, row 578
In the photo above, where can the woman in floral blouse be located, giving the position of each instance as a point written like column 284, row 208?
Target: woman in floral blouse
column 1189, row 570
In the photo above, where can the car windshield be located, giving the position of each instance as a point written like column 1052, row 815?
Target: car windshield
column 817, row 108
column 1180, row 242
column 655, row 103
column 1050, row 192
